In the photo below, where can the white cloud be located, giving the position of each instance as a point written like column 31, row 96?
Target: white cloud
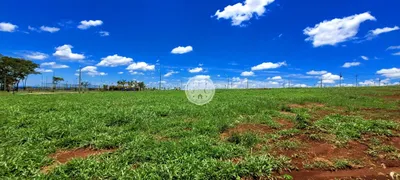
column 196, row 70
column 316, row 72
column 7, row 27
column 121, row 72
column 36, row 56
column 202, row 77
column 268, row 65
column 336, row 30
column 32, row 28
column 87, row 24
column 365, row 58
column 170, row 73
column 350, row 64
column 393, row 47
column 92, row 71
column 135, row 72
column 396, row 54
column 140, row 66
column 329, row 78
column 54, row 65
column 41, row 70
column 247, row 73
column 49, row 29
column 390, row 73
column 104, row 33
column 242, row 12
column 65, row 52
column 114, row 61
column 236, row 79
column 376, row 32
column 275, row 78
column 367, row 83
column 182, row 50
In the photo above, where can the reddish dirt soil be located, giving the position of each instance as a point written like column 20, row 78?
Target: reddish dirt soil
column 396, row 142
column 378, row 174
column 393, row 97
column 286, row 124
column 312, row 151
column 62, row 157
column 243, row 128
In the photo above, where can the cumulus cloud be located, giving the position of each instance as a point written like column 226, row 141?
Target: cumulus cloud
column 114, row 61
column 336, row 30
column 54, row 65
column 49, row 29
column 91, row 23
column 376, row 32
column 247, row 73
column 396, row 54
column 202, row 77
column 141, row 66
column 390, row 73
column 120, row 72
column 330, row 78
column 65, row 52
column 367, row 83
column 92, row 71
column 104, row 33
column 268, row 65
column 350, row 64
column 182, row 50
column 7, row 27
column 275, row 78
column 365, row 58
column 41, row 70
column 316, row 72
column 170, row 73
column 36, row 56
column 242, row 12
column 196, row 70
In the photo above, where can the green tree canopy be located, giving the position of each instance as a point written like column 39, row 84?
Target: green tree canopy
column 14, row 70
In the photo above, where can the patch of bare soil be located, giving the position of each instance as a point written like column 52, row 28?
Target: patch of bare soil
column 248, row 127
column 374, row 173
column 319, row 151
column 396, row 142
column 286, row 124
column 393, row 97
column 378, row 113
column 62, row 157
column 288, row 113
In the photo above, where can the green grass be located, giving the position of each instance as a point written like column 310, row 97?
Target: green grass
column 163, row 135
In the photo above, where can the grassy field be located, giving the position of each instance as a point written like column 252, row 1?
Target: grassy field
column 248, row 134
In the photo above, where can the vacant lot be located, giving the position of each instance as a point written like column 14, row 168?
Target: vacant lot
column 248, row 134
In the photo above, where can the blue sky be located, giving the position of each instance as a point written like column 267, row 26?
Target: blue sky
column 268, row 42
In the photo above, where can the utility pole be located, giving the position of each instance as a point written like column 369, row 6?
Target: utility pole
column 321, row 82
column 340, row 79
column 379, row 80
column 80, row 79
column 159, row 69
column 247, row 86
column 228, row 84
column 356, row 80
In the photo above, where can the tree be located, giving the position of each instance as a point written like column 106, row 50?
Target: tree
column 56, row 80
column 15, row 70
column 141, row 85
